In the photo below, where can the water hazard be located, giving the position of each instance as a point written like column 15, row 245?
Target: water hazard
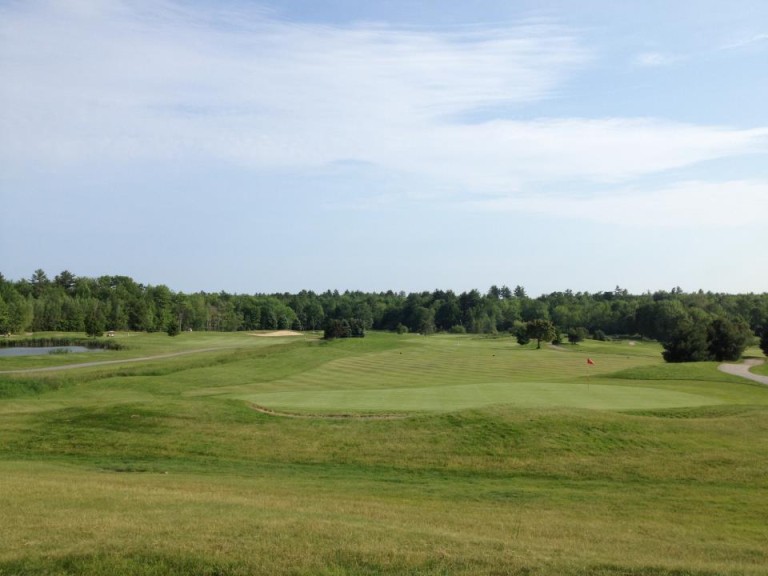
column 42, row 350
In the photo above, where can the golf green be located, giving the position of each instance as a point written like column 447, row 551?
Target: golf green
column 467, row 396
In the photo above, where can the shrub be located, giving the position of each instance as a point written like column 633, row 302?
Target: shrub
column 343, row 328
column 173, row 328
column 577, row 334
column 600, row 335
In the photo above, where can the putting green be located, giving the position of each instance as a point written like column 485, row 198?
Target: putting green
column 466, row 396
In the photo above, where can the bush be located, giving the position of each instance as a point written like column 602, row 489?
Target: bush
column 721, row 339
column 600, row 335
column 343, row 328
column 173, row 328
column 458, row 329
column 577, row 334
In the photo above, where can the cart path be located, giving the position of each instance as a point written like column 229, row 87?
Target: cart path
column 743, row 370
column 108, row 362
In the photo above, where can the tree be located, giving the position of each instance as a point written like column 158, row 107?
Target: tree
column 336, row 328
column 688, row 343
column 315, row 315
column 425, row 321
column 658, row 320
column 39, row 282
column 448, row 313
column 172, row 328
column 727, row 339
column 66, row 280
column 577, row 334
column 357, row 328
column 764, row 341
column 540, row 329
column 94, row 319
column 20, row 312
column 3, row 316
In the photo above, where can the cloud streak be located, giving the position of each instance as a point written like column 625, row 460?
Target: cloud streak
column 111, row 82
column 688, row 204
column 108, row 73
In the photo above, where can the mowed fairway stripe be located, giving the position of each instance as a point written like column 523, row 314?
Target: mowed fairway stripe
column 466, row 396
column 432, row 366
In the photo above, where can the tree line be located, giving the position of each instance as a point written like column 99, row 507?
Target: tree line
column 692, row 326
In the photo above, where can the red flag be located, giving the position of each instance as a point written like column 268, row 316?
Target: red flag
column 589, row 361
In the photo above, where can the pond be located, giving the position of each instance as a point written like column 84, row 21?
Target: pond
column 41, row 350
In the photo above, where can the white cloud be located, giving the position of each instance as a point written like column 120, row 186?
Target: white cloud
column 164, row 81
column 503, row 154
column 750, row 41
column 689, row 204
column 656, row 59
column 109, row 82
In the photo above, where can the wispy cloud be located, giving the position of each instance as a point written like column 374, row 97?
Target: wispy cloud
column 689, row 204
column 167, row 79
column 750, row 41
column 657, row 59
column 86, row 82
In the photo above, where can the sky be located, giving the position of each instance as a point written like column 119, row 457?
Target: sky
column 275, row 146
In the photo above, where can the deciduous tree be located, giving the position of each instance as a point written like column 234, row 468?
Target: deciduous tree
column 541, row 330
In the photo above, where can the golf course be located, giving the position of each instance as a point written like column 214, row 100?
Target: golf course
column 238, row 453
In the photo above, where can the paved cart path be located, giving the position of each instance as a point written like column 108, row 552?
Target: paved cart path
column 743, row 370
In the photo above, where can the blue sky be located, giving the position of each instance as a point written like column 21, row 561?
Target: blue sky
column 279, row 146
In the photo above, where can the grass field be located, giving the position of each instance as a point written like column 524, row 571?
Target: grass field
column 391, row 455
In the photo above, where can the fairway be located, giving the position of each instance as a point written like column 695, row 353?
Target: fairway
column 441, row 455
column 446, row 373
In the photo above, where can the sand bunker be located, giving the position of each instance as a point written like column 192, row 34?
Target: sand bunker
column 279, row 333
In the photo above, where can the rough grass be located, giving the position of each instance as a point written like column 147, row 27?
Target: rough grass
column 159, row 468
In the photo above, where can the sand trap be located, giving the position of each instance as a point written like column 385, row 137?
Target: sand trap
column 279, row 333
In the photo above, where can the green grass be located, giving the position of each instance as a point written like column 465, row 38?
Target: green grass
column 465, row 396
column 490, row 458
column 761, row 369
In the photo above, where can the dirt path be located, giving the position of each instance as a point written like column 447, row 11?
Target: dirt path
column 108, row 362
column 743, row 370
